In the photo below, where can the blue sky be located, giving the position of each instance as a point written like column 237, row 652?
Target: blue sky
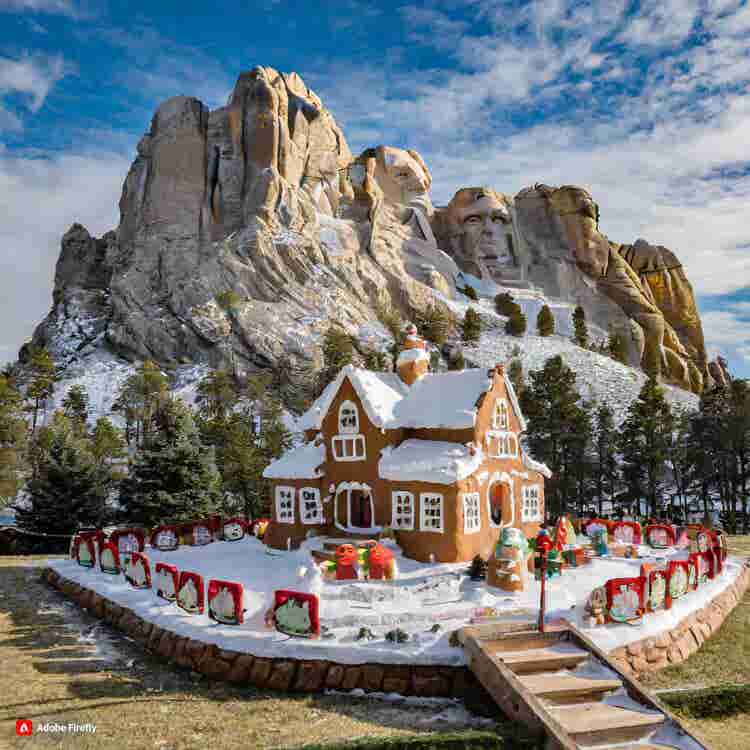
column 644, row 103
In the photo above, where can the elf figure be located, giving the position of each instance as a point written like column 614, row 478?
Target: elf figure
column 347, row 563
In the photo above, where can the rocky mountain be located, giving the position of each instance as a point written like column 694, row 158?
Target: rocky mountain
column 244, row 231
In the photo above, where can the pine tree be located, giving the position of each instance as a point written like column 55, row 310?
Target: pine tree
column 456, row 360
column 504, row 304
column 435, row 323
column 471, row 327
column 69, row 490
column 545, row 321
column 617, row 346
column 515, row 375
column 470, row 292
column 605, row 448
column 41, row 384
column 516, row 323
column 107, row 443
column 580, row 329
column 216, row 395
column 76, row 407
column 645, row 437
column 139, row 399
column 377, row 361
column 174, row 475
column 551, row 404
column 13, row 439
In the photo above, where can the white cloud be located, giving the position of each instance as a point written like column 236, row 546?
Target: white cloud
column 39, row 200
column 29, row 77
column 53, row 7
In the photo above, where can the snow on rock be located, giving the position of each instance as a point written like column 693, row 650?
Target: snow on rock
column 428, row 461
column 298, row 463
column 411, row 355
column 598, row 377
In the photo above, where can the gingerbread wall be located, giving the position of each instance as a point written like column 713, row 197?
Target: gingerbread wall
column 277, row 533
column 450, row 545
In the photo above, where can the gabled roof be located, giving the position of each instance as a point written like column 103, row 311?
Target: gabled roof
column 534, row 465
column 379, row 393
column 428, row 461
column 437, row 400
column 442, row 399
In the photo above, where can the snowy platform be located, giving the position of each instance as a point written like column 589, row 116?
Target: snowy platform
column 424, row 596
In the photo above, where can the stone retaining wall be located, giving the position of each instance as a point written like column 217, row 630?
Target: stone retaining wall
column 676, row 645
column 647, row 655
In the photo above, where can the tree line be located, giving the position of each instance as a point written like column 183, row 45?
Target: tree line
column 662, row 461
column 167, row 462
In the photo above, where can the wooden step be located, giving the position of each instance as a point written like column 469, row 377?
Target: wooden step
column 560, row 655
column 523, row 641
column 589, row 723
column 560, row 688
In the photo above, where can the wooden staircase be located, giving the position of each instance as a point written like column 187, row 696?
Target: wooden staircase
column 561, row 683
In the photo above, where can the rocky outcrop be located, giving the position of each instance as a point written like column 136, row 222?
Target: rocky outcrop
column 246, row 230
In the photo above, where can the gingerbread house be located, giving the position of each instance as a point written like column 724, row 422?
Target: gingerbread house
column 437, row 457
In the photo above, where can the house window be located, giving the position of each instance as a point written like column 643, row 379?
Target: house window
column 348, row 418
column 530, row 508
column 472, row 518
column 501, row 444
column 285, row 504
column 349, row 447
column 310, row 507
column 500, row 415
column 403, row 511
column 431, row 512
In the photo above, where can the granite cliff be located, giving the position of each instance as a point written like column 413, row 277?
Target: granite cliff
column 245, row 230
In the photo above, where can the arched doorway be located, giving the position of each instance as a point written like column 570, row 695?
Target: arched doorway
column 500, row 501
column 355, row 508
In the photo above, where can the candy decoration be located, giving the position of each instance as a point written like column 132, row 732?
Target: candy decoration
column 625, row 599
column 165, row 538
column 225, row 602
column 109, row 559
column 190, row 593
column 660, row 535
column 167, row 581
column 138, row 573
column 627, row 532
column 295, row 613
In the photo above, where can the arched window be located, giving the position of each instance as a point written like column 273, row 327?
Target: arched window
column 500, row 415
column 348, row 418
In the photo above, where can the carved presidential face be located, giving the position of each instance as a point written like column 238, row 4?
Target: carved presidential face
column 479, row 219
column 401, row 175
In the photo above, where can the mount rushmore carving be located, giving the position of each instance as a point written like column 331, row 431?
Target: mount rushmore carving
column 263, row 198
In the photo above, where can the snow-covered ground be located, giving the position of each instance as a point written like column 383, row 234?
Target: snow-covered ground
column 422, row 597
column 598, row 377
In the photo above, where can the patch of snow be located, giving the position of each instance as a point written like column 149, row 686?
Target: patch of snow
column 301, row 462
column 534, row 465
column 428, row 461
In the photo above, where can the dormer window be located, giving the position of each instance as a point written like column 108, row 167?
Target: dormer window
column 348, row 419
column 500, row 419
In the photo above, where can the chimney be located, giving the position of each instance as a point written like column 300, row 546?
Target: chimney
column 413, row 360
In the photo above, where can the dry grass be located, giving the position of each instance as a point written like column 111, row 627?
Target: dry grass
column 61, row 665
column 723, row 660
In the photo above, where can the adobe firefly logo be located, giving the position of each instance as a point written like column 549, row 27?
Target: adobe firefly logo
column 24, row 728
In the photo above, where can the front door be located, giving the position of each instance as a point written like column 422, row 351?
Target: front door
column 501, row 508
column 360, row 509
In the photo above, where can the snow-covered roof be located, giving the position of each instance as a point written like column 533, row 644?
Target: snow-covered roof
column 379, row 393
column 442, row 399
column 535, row 465
column 428, row 461
column 438, row 399
column 298, row 463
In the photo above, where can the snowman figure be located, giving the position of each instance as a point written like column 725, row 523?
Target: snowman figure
column 188, row 596
column 233, row 531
